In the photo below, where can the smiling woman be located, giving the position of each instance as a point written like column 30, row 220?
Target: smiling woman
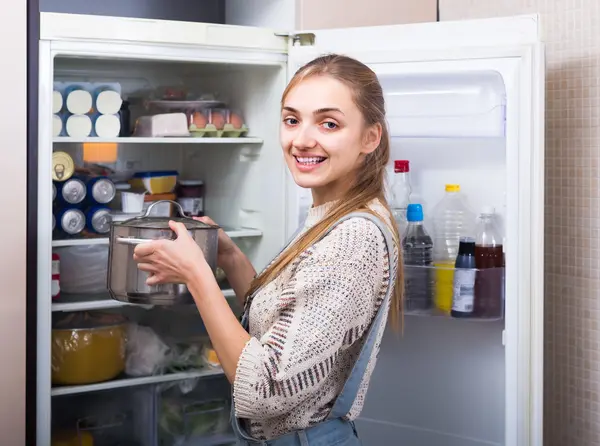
column 326, row 138
column 301, row 359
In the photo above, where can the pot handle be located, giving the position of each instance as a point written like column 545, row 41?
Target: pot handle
column 177, row 205
column 132, row 241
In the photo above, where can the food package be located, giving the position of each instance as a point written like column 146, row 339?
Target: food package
column 146, row 352
column 83, row 269
column 162, row 125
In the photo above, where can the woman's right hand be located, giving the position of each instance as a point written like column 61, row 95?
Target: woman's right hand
column 227, row 248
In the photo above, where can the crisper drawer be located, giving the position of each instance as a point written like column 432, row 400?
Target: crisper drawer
column 119, row 417
column 194, row 412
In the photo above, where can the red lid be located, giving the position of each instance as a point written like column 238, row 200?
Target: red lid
column 401, row 166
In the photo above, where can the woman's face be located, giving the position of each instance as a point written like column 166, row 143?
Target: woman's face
column 323, row 136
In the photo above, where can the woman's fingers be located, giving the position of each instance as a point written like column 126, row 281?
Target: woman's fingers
column 147, row 267
column 144, row 250
column 179, row 229
column 207, row 220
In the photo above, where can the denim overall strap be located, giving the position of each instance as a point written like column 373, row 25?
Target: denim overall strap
column 345, row 400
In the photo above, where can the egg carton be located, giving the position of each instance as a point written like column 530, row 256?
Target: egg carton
column 210, row 131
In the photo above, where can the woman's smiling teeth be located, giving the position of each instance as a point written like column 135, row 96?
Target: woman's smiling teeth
column 309, row 160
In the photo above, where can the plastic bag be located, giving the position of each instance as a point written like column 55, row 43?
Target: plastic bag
column 83, row 269
column 146, row 352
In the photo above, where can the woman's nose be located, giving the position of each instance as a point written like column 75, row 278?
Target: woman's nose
column 304, row 138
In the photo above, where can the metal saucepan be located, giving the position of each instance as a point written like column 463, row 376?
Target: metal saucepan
column 126, row 283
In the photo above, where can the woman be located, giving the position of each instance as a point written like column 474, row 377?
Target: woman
column 313, row 312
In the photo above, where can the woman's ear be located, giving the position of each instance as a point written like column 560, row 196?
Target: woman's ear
column 372, row 138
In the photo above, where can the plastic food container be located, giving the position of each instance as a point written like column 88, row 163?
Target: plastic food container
column 190, row 195
column 132, row 203
column 160, row 182
column 205, row 118
column 162, row 209
column 88, row 348
column 217, row 122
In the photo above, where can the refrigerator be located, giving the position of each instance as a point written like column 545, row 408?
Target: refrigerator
column 465, row 104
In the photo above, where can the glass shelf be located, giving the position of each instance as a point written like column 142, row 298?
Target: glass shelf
column 432, row 291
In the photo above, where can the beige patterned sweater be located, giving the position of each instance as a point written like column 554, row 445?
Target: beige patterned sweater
column 307, row 328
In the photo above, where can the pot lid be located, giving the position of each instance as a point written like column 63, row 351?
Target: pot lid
column 146, row 222
column 163, row 223
column 87, row 320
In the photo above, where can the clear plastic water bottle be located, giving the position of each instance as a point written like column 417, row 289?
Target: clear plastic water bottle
column 400, row 193
column 417, row 248
column 452, row 219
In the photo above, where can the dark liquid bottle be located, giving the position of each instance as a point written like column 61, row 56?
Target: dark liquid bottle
column 417, row 247
column 489, row 260
column 463, row 293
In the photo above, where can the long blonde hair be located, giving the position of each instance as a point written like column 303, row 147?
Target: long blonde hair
column 369, row 182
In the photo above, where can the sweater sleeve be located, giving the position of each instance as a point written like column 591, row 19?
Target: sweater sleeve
column 325, row 305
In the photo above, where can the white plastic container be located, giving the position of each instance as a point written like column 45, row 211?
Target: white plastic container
column 108, row 101
column 79, row 126
column 132, row 203
column 79, row 101
column 107, row 126
column 57, row 125
column 57, row 101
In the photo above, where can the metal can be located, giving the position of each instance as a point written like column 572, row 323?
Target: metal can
column 53, row 222
column 53, row 191
column 98, row 219
column 72, row 191
column 63, row 166
column 101, row 189
column 71, row 221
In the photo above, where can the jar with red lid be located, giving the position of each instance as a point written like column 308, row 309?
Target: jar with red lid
column 190, row 195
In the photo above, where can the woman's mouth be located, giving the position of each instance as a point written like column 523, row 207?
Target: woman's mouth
column 307, row 163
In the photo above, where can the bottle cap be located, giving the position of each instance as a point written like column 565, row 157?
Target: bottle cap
column 488, row 210
column 401, row 166
column 414, row 212
column 452, row 187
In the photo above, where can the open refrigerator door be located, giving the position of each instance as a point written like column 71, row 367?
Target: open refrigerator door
column 464, row 104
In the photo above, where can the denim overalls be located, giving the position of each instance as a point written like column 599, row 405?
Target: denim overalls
column 335, row 430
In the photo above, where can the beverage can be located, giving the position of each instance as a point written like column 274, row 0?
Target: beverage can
column 72, row 191
column 98, row 219
column 53, row 191
column 71, row 221
column 101, row 189
column 63, row 166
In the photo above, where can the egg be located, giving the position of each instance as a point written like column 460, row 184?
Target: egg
column 199, row 120
column 218, row 120
column 236, row 121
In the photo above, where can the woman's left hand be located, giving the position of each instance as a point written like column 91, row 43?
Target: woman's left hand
column 170, row 261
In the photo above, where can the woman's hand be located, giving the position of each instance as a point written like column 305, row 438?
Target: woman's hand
column 227, row 248
column 171, row 261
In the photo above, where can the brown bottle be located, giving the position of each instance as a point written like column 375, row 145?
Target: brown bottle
column 489, row 261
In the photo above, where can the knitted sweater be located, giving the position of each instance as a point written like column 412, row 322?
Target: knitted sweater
column 307, row 328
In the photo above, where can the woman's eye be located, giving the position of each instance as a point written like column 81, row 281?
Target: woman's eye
column 330, row 125
column 290, row 121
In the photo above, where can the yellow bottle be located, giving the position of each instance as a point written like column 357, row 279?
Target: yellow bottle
column 444, row 277
column 452, row 219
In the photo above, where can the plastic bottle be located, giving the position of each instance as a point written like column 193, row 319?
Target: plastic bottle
column 464, row 279
column 489, row 260
column 417, row 248
column 400, row 193
column 451, row 220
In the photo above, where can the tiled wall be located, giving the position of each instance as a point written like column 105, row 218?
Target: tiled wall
column 572, row 351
